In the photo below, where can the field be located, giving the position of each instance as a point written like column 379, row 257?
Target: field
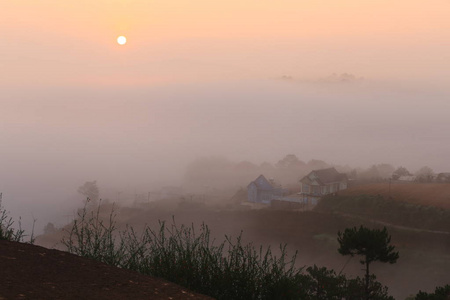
column 435, row 194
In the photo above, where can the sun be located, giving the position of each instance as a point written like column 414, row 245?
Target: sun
column 121, row 40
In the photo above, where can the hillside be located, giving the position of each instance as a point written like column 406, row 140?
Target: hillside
column 33, row 272
column 435, row 194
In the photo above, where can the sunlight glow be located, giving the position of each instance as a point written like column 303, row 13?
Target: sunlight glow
column 121, row 40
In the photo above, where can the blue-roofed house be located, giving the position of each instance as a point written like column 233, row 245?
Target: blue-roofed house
column 262, row 190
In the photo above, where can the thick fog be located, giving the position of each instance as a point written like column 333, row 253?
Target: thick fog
column 134, row 140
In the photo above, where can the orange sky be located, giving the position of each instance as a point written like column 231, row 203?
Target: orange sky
column 73, row 42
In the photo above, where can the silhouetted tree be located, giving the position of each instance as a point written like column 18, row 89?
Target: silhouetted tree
column 385, row 170
column 90, row 190
column 425, row 174
column 372, row 244
column 443, row 177
column 49, row 228
column 377, row 172
column 401, row 171
column 316, row 164
column 290, row 161
column 371, row 174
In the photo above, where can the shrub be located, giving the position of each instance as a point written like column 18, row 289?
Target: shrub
column 356, row 289
column 324, row 284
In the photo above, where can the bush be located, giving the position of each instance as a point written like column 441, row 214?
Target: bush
column 355, row 289
column 324, row 284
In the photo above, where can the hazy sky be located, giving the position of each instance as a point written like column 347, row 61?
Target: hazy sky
column 200, row 78
column 73, row 42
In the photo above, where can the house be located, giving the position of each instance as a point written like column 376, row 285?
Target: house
column 322, row 182
column 262, row 190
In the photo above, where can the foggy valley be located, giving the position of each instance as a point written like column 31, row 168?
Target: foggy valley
column 291, row 123
column 138, row 140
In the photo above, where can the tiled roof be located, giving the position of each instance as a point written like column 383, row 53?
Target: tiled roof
column 325, row 176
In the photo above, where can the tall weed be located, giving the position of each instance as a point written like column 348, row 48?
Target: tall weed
column 189, row 257
column 7, row 230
